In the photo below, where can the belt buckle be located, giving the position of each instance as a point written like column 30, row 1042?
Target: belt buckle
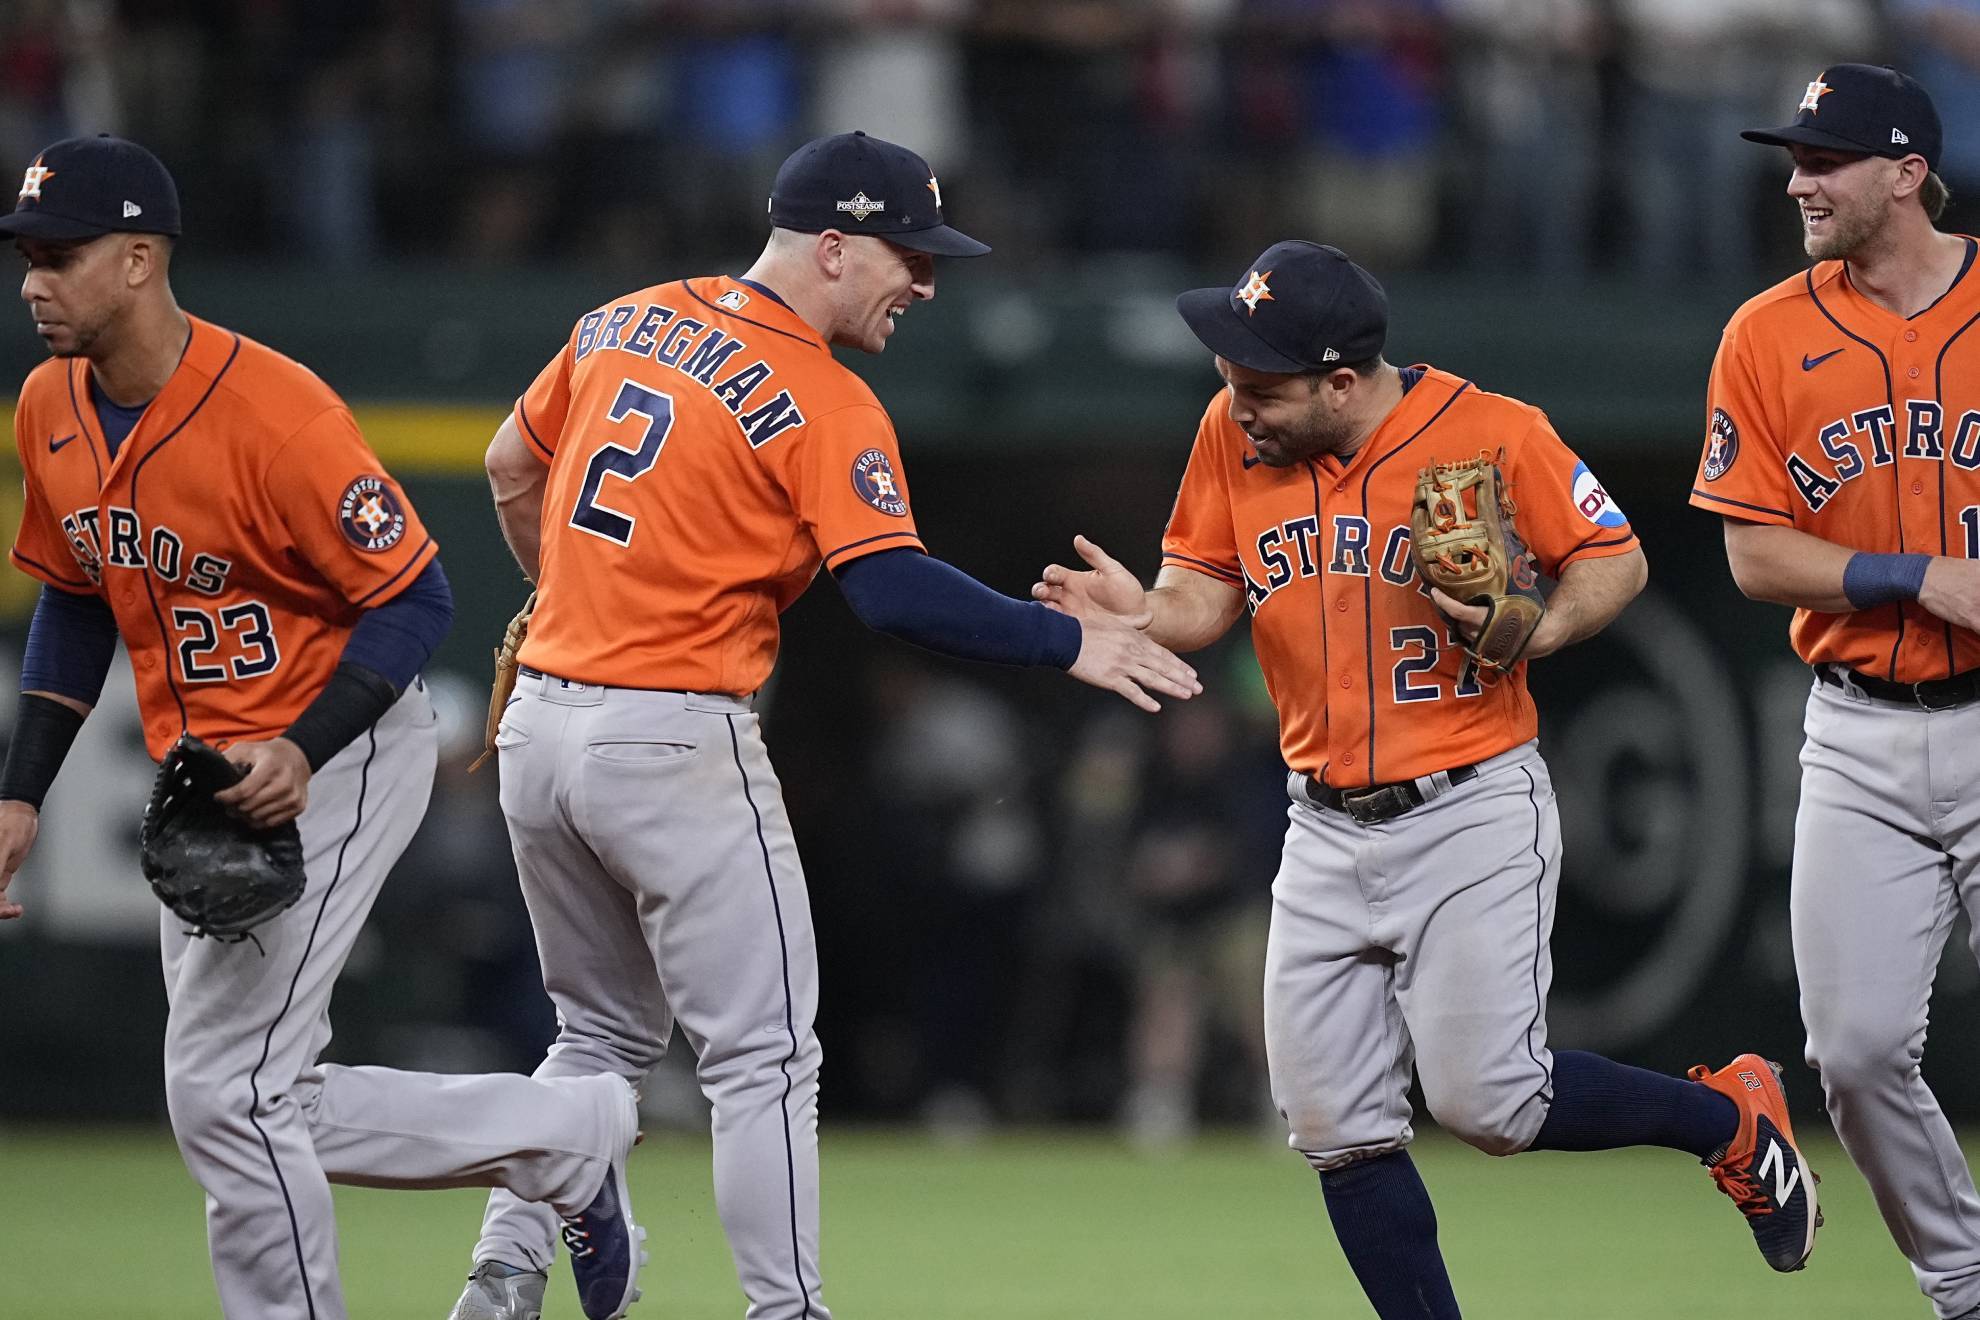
column 1369, row 808
column 1926, row 703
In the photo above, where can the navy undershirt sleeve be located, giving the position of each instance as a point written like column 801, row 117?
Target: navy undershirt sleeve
column 70, row 643
column 918, row 598
column 396, row 639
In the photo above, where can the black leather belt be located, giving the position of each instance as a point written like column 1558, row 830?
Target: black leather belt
column 527, row 672
column 1379, row 802
column 1932, row 694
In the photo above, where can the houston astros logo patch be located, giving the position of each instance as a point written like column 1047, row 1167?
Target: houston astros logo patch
column 873, row 477
column 861, row 206
column 1724, row 446
column 371, row 516
column 37, row 174
column 1812, row 98
column 1256, row 291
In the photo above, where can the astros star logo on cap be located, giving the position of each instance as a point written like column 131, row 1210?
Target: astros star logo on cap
column 1812, row 98
column 1255, row 291
column 37, row 174
column 935, row 188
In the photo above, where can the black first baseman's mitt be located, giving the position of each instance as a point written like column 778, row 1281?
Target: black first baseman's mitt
column 219, row 875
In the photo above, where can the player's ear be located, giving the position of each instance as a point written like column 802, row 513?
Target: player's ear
column 144, row 258
column 829, row 251
column 1909, row 177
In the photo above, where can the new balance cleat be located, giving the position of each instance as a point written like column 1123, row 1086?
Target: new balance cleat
column 501, row 1292
column 1762, row 1169
column 604, row 1243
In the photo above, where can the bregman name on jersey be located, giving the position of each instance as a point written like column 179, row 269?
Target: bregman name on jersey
column 697, row 352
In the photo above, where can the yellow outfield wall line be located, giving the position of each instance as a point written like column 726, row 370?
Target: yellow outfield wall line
column 407, row 437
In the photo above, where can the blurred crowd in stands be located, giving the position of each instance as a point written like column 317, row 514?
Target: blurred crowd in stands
column 1553, row 136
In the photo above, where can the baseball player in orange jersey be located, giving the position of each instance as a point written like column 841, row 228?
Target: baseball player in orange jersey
column 212, row 503
column 1413, row 904
column 1843, row 451
column 672, row 481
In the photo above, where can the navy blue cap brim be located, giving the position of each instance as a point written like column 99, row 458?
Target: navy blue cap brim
column 1213, row 320
column 940, row 241
column 1797, row 135
column 46, row 225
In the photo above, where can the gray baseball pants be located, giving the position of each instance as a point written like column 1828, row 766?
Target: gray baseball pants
column 663, row 882
column 1417, row 941
column 265, row 1129
column 1886, row 848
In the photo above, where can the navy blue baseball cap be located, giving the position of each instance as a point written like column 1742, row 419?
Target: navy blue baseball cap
column 1864, row 109
column 860, row 185
column 1299, row 307
column 85, row 187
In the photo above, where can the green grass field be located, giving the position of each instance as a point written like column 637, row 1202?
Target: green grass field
column 105, row 1224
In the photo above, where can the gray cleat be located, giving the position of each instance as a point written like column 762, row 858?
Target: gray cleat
column 493, row 1293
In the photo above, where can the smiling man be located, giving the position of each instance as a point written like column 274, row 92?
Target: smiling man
column 648, row 825
column 1843, row 452
column 1415, row 897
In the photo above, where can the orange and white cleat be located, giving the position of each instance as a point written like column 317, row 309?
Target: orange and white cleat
column 1762, row 1169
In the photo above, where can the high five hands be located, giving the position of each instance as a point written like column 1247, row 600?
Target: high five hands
column 1112, row 609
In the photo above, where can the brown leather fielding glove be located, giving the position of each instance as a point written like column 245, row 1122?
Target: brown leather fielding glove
column 1464, row 543
column 505, row 678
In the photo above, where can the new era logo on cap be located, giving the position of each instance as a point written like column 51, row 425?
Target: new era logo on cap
column 1898, row 139
column 131, row 209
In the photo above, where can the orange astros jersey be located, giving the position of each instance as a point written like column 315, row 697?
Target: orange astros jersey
column 1370, row 683
column 707, row 454
column 1832, row 415
column 237, row 536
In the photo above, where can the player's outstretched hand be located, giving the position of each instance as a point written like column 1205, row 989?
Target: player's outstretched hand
column 1115, row 655
column 1952, row 591
column 19, row 823
column 276, row 788
column 1106, row 586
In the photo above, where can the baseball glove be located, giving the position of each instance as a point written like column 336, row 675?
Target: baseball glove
column 505, row 678
column 1464, row 543
column 218, row 874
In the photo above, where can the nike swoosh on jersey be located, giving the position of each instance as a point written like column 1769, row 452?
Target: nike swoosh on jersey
column 1810, row 363
column 55, row 445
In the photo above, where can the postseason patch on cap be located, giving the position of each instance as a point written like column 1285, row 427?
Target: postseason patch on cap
column 371, row 516
column 1592, row 501
column 873, row 478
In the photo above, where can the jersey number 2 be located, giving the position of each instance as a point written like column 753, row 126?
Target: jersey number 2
column 634, row 400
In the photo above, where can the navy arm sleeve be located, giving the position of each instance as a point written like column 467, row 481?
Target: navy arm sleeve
column 382, row 656
column 397, row 639
column 70, row 643
column 918, row 598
